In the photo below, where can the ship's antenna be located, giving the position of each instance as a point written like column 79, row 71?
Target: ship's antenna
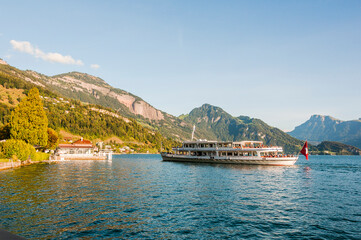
column 194, row 128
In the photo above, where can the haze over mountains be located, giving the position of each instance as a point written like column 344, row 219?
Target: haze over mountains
column 212, row 122
column 325, row 128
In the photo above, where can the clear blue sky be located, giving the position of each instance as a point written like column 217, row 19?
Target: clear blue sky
column 280, row 61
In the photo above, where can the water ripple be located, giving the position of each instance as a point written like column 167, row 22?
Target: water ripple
column 141, row 197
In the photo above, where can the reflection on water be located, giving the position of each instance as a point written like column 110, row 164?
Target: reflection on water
column 139, row 196
column 237, row 166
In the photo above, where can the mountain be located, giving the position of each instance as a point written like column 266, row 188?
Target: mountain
column 94, row 90
column 325, row 128
column 88, row 120
column 214, row 123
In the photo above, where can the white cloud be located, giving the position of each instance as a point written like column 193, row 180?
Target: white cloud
column 26, row 47
column 95, row 66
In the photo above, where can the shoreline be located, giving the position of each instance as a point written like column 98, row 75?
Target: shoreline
column 16, row 164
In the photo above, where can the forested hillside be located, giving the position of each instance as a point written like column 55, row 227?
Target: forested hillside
column 94, row 90
column 214, row 123
column 336, row 148
column 88, row 120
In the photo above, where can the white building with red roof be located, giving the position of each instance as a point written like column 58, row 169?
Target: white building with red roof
column 78, row 150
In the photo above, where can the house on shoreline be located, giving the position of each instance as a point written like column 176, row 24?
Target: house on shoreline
column 78, row 150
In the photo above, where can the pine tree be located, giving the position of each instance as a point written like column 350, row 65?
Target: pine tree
column 28, row 120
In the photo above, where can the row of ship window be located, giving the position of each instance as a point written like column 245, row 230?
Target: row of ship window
column 224, row 153
column 219, row 145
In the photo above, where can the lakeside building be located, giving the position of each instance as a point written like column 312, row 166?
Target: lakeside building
column 78, row 150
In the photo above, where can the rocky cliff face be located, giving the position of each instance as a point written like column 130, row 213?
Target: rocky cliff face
column 147, row 111
column 325, row 128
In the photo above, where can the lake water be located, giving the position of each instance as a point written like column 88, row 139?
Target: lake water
column 141, row 197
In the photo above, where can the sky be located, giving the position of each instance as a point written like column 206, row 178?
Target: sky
column 279, row 61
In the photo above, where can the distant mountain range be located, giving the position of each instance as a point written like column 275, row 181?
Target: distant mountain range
column 325, row 128
column 211, row 122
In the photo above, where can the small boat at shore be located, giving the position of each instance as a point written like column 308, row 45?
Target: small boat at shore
column 243, row 152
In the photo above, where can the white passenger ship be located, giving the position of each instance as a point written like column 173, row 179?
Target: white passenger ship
column 244, row 152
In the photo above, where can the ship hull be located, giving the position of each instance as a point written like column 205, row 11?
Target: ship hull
column 275, row 161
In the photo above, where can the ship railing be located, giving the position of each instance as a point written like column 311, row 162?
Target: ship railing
column 279, row 156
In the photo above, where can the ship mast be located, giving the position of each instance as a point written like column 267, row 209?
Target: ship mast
column 194, row 128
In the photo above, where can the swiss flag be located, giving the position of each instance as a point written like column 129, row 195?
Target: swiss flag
column 304, row 150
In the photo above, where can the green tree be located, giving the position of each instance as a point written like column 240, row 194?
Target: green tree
column 28, row 121
column 52, row 139
column 18, row 148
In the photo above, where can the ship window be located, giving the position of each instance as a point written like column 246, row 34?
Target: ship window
column 229, row 154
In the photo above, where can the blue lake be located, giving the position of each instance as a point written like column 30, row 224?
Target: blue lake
column 141, row 197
